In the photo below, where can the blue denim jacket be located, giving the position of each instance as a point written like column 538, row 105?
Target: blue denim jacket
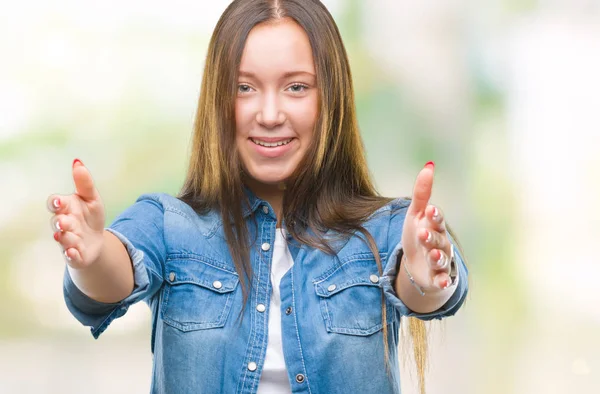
column 330, row 304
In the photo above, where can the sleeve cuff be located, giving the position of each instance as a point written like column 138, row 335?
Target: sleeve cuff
column 448, row 309
column 99, row 315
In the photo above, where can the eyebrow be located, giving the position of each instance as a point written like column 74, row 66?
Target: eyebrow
column 284, row 76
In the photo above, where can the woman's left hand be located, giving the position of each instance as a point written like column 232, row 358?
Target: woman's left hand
column 426, row 246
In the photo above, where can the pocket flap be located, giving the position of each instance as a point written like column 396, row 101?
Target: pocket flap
column 202, row 273
column 329, row 288
column 359, row 270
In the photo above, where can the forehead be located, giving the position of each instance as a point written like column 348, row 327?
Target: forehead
column 277, row 47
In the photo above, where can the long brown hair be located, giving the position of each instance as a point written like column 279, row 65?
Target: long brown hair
column 331, row 188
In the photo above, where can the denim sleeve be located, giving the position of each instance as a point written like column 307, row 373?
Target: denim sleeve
column 140, row 229
column 390, row 271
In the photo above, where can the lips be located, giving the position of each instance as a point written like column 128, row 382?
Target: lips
column 271, row 147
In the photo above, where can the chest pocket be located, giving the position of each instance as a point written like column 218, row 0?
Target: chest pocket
column 198, row 294
column 350, row 297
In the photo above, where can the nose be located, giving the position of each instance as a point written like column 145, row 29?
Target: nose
column 270, row 114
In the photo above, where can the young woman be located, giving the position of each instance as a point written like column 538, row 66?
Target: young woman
column 278, row 268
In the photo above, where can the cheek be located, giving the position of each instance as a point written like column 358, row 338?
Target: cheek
column 305, row 118
column 243, row 117
column 238, row 119
column 241, row 130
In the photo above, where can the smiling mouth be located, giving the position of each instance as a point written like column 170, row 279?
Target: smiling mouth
column 271, row 144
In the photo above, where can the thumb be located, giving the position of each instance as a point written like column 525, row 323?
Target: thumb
column 84, row 184
column 422, row 190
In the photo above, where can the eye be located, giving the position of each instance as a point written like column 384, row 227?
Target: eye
column 298, row 88
column 243, row 88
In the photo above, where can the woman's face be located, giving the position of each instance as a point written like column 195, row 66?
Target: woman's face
column 277, row 101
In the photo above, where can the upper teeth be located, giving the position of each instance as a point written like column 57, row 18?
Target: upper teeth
column 271, row 144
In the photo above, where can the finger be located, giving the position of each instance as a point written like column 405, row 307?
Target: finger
column 59, row 204
column 442, row 281
column 55, row 223
column 73, row 256
column 432, row 239
column 422, row 190
column 435, row 218
column 63, row 223
column 438, row 261
column 67, row 239
column 53, row 203
column 84, row 184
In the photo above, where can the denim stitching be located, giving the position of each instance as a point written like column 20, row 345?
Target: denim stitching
column 249, row 347
column 201, row 259
column 268, row 282
column 298, row 333
column 355, row 257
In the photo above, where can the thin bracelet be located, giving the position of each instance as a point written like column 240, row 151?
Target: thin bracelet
column 410, row 277
column 453, row 274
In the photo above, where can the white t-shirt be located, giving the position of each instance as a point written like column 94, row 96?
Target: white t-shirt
column 274, row 377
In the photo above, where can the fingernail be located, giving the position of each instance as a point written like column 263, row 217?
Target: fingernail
column 440, row 261
column 56, row 203
column 56, row 237
column 429, row 236
column 50, row 205
column 57, row 225
column 446, row 285
column 67, row 256
column 436, row 214
column 77, row 161
column 430, row 163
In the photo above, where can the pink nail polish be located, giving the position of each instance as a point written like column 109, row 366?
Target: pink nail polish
column 430, row 164
column 67, row 256
column 441, row 262
column 429, row 236
column 56, row 203
column 57, row 225
column 56, row 237
column 77, row 161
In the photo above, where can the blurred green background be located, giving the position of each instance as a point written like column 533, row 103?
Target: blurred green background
column 501, row 94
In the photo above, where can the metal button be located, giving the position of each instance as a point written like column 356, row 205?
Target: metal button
column 217, row 284
column 172, row 276
column 332, row 287
column 266, row 246
column 260, row 307
column 299, row 378
column 374, row 278
column 288, row 310
column 265, row 209
column 252, row 366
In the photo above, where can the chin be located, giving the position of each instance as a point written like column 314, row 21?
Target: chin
column 269, row 176
column 270, row 180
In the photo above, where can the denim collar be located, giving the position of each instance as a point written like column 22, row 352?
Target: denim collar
column 252, row 203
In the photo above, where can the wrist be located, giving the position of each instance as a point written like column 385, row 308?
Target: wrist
column 416, row 277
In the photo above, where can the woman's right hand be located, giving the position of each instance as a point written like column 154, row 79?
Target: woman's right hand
column 78, row 220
